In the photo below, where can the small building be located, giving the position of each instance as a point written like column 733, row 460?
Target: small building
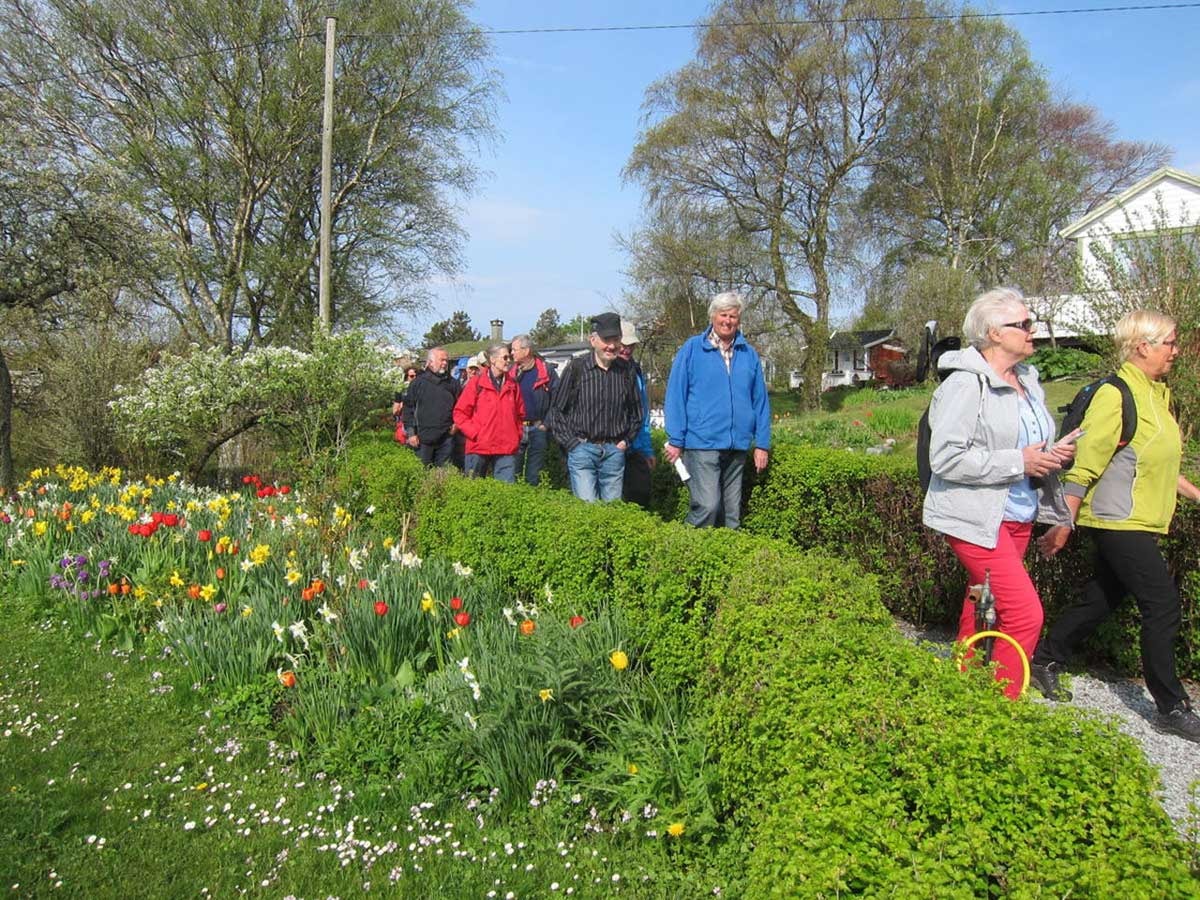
column 858, row 357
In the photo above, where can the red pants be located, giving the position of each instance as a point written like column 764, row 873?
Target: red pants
column 1018, row 607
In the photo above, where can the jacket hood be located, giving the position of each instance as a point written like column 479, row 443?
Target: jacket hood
column 971, row 360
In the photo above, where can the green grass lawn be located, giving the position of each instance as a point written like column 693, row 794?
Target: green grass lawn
column 857, row 418
column 118, row 782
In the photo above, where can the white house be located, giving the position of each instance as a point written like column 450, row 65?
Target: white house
column 1167, row 198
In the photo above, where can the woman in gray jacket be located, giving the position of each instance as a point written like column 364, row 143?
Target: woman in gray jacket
column 994, row 469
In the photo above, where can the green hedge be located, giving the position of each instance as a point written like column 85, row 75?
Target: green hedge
column 862, row 764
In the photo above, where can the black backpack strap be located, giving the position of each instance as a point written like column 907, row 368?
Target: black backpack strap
column 1128, row 410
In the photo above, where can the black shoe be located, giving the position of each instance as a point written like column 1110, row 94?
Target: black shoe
column 1045, row 679
column 1180, row 721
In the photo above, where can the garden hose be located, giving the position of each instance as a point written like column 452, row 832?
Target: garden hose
column 966, row 645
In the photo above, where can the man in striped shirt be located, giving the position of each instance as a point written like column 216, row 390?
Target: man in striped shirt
column 595, row 413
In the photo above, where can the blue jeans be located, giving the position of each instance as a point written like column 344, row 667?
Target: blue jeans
column 596, row 471
column 715, row 487
column 504, row 466
column 531, row 456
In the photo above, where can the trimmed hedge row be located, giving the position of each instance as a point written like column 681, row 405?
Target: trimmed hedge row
column 860, row 764
column 868, row 508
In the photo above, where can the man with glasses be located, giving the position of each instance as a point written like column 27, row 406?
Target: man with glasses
column 596, row 413
column 537, row 383
column 490, row 413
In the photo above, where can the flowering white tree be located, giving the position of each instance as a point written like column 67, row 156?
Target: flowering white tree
column 189, row 405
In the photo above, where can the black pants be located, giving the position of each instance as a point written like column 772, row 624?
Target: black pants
column 1126, row 562
column 438, row 453
column 636, row 485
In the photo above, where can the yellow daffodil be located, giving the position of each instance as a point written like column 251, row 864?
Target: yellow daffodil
column 39, row 528
column 87, row 515
column 208, row 591
column 546, row 695
column 619, row 660
column 260, row 554
column 140, row 592
column 453, row 633
column 247, row 612
column 427, row 602
column 632, row 768
column 292, row 576
column 176, row 581
column 675, row 829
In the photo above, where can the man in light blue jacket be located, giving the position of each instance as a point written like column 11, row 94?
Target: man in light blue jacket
column 716, row 408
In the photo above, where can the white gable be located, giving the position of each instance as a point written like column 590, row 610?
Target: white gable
column 1169, row 198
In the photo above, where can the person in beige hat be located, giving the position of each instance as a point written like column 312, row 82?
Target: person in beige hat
column 639, row 458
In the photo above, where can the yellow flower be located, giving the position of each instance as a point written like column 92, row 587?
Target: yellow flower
column 427, row 602
column 293, row 576
column 260, row 554
column 453, row 633
column 87, row 515
column 209, row 591
column 39, row 528
column 546, row 694
column 158, row 602
column 632, row 768
column 140, row 592
column 70, row 526
column 176, row 581
column 17, row 563
column 202, row 786
column 387, row 543
column 619, row 660
column 247, row 612
column 675, row 829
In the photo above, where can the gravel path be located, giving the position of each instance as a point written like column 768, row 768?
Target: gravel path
column 1177, row 760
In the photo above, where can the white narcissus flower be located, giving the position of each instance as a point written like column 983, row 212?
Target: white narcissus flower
column 299, row 632
column 278, row 629
column 508, row 616
column 463, row 571
column 326, row 613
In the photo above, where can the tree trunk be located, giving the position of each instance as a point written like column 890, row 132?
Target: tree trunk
column 8, row 484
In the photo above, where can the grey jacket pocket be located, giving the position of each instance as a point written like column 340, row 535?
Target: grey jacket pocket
column 1112, row 497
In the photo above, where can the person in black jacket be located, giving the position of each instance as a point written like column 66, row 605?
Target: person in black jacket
column 429, row 410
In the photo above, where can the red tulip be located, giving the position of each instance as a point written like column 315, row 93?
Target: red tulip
column 246, row 479
column 576, row 621
column 170, row 520
column 456, row 603
column 363, row 584
column 462, row 619
column 135, row 528
column 381, row 608
column 285, row 489
column 204, row 535
column 156, row 518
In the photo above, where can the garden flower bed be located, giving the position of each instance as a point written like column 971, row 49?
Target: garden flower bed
column 370, row 664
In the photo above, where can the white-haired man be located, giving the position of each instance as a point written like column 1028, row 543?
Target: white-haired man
column 429, row 410
column 716, row 409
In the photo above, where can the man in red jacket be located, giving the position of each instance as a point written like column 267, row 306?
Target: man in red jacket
column 490, row 413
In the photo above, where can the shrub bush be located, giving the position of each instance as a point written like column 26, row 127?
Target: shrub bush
column 859, row 762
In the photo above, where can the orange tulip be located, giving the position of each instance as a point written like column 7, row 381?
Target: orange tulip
column 194, row 591
column 287, row 678
column 308, row 594
column 318, row 585
column 528, row 627
column 114, row 589
column 220, row 573
column 125, row 587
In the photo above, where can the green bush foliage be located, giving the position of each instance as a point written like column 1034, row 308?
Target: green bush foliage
column 1064, row 362
column 860, row 764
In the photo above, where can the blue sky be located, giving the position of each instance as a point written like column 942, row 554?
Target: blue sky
column 542, row 224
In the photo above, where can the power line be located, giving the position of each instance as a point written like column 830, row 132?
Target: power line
column 599, row 29
column 924, row 17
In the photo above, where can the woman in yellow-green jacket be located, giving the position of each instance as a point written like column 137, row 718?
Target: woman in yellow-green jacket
column 1124, row 498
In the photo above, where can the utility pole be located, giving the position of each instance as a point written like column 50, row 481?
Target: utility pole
column 326, row 303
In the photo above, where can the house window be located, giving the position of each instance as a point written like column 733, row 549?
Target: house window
column 834, row 362
column 860, row 361
column 1141, row 254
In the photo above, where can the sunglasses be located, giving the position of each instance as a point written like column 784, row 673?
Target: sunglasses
column 1026, row 325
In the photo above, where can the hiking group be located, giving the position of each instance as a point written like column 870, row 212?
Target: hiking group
column 1112, row 477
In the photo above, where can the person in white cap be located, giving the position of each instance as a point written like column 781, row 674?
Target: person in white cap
column 639, row 458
